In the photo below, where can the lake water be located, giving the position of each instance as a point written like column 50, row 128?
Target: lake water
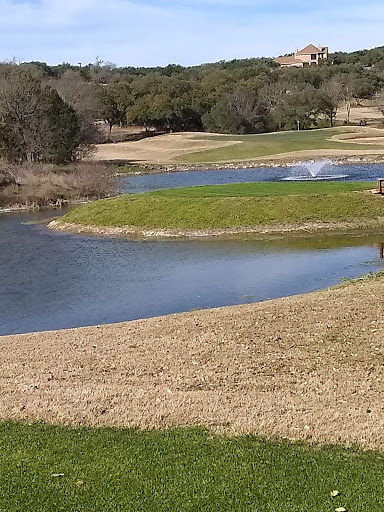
column 148, row 182
column 51, row 280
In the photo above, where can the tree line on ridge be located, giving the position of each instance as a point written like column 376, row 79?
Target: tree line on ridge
column 50, row 113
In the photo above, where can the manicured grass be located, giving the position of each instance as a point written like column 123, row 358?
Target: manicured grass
column 263, row 189
column 228, row 206
column 254, row 146
column 190, row 470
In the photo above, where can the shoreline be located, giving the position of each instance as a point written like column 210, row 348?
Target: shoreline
column 263, row 231
column 305, row 367
column 17, row 208
column 269, row 162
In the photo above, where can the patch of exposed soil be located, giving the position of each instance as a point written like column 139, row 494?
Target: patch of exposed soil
column 366, row 140
column 364, row 136
column 163, row 148
column 305, row 367
column 365, row 113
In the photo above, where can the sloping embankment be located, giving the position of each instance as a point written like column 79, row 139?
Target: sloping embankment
column 304, row 367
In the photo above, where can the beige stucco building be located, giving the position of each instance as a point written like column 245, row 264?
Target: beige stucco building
column 308, row 56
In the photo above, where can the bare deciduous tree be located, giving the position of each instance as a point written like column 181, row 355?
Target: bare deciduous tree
column 331, row 93
column 275, row 95
column 83, row 97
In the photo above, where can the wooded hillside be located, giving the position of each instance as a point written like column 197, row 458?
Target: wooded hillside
column 240, row 96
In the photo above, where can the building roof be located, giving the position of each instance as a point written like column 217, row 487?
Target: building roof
column 310, row 49
column 287, row 60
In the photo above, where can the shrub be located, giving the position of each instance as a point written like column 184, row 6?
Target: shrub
column 41, row 185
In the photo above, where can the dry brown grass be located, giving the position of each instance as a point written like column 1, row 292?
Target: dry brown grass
column 305, row 367
column 163, row 148
column 45, row 185
column 369, row 113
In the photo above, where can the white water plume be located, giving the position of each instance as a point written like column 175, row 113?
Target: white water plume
column 314, row 170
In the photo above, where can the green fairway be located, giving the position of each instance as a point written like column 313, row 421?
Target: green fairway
column 48, row 469
column 255, row 146
column 226, row 206
column 263, row 189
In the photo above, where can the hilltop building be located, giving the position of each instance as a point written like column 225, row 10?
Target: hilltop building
column 308, row 56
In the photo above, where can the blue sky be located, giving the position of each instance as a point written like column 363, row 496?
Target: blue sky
column 188, row 32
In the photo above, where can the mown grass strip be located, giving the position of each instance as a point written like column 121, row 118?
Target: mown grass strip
column 46, row 469
column 228, row 206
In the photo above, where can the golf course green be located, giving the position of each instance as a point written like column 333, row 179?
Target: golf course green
column 236, row 205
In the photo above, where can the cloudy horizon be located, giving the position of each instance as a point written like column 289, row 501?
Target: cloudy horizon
column 186, row 32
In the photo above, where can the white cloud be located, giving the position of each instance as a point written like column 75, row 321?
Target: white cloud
column 186, row 31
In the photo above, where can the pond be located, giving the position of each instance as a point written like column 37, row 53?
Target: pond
column 52, row 280
column 148, row 182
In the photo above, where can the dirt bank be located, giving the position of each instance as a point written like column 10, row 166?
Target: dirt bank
column 306, row 228
column 304, row 367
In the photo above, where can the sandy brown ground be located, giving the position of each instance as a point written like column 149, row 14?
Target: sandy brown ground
column 367, row 140
column 304, row 367
column 160, row 149
column 368, row 113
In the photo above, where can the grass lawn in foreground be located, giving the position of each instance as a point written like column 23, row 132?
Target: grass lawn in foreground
column 266, row 144
column 225, row 206
column 107, row 470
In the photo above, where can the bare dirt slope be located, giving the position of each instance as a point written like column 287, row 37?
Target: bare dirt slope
column 305, row 367
column 162, row 148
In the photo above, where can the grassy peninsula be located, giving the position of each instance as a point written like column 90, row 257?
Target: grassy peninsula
column 235, row 206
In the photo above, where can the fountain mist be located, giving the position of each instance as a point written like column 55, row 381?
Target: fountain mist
column 314, row 170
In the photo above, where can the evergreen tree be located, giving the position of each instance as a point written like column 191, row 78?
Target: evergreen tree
column 36, row 125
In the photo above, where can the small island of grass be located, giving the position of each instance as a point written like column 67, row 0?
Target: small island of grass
column 235, row 208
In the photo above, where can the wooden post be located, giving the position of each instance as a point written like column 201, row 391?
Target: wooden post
column 380, row 185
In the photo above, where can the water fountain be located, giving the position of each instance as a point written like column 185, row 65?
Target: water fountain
column 314, row 170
